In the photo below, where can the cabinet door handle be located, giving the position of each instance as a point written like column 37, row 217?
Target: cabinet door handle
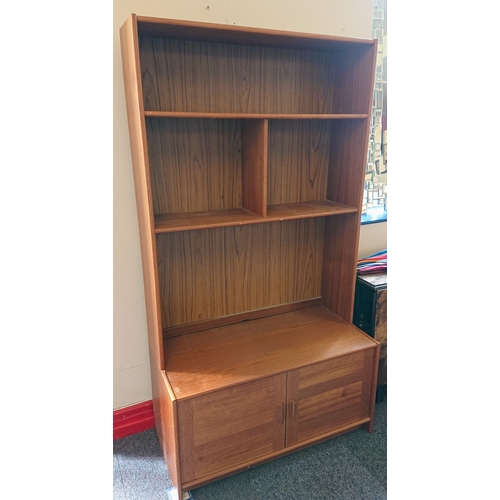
column 292, row 409
column 281, row 413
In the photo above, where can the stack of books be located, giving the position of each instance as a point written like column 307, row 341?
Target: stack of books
column 375, row 263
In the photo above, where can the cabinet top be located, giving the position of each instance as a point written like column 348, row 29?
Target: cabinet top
column 378, row 280
column 222, row 357
column 180, row 29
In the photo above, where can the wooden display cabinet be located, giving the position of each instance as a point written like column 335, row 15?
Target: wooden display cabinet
column 249, row 150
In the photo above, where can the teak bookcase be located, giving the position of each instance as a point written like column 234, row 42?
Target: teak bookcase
column 249, row 149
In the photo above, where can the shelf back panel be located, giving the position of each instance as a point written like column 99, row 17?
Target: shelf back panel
column 298, row 160
column 206, row 274
column 199, row 76
column 195, row 164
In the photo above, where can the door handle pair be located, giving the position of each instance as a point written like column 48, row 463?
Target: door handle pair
column 291, row 411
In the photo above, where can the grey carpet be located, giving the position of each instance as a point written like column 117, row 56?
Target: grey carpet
column 349, row 467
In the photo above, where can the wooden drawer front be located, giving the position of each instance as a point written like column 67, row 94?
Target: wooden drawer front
column 231, row 426
column 328, row 395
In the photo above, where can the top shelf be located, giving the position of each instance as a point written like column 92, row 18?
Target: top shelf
column 223, row 33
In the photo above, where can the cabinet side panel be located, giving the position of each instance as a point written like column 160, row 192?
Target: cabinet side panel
column 165, row 413
column 137, row 133
column 348, row 150
column 348, row 153
column 339, row 264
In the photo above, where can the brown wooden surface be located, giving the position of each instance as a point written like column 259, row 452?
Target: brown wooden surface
column 230, row 319
column 339, row 264
column 167, row 223
column 356, row 71
column 210, row 360
column 369, row 402
column 207, row 274
column 272, row 456
column 195, row 164
column 231, row 426
column 255, row 206
column 198, row 76
column 192, row 30
column 254, row 145
column 348, row 149
column 138, row 140
column 328, row 395
column 256, row 116
column 166, row 424
column 298, row 160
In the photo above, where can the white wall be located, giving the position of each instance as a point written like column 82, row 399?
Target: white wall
column 131, row 382
column 372, row 238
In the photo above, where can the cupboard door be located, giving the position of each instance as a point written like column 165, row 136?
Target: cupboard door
column 328, row 395
column 232, row 426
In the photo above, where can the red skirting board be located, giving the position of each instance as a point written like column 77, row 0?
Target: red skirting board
column 133, row 419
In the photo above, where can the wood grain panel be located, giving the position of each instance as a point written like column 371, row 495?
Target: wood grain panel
column 195, row 164
column 222, row 357
column 347, row 167
column 298, row 160
column 167, row 223
column 347, row 157
column 339, row 264
column 254, row 141
column 231, row 426
column 231, row 319
column 142, row 184
column 217, row 272
column 256, row 116
column 193, row 30
column 354, row 78
column 327, row 396
column 165, row 414
column 207, row 189
column 200, row 76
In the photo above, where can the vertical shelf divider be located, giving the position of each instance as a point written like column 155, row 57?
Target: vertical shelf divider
column 254, row 158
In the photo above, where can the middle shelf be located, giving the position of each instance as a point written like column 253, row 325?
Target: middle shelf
column 165, row 223
column 216, row 172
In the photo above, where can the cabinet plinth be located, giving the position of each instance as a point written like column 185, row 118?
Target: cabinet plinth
column 249, row 150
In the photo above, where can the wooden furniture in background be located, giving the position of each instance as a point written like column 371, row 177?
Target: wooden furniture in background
column 249, row 149
column 370, row 315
